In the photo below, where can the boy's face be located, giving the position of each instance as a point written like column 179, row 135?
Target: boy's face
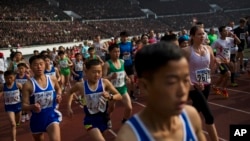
column 18, row 56
column 21, row 69
column 91, row 52
column 47, row 61
column 94, row 73
column 115, row 53
column 61, row 56
column 9, row 79
column 168, row 90
column 78, row 57
column 38, row 66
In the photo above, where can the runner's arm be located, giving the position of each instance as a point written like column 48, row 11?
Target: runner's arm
column 26, row 92
column 1, row 90
column 70, row 63
column 78, row 87
column 19, row 86
column 212, row 58
column 56, row 85
column 111, row 89
column 58, row 76
column 105, row 71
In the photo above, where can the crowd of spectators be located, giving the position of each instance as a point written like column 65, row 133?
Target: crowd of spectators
column 14, row 34
column 30, row 10
column 25, row 22
column 102, row 9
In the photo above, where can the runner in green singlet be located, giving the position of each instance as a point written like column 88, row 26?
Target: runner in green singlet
column 114, row 71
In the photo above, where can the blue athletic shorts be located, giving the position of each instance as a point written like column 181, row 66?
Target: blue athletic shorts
column 13, row 108
column 78, row 78
column 39, row 122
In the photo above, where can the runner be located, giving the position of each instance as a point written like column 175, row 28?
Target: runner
column 241, row 33
column 64, row 63
column 165, row 81
column 92, row 55
column 223, row 51
column 12, row 100
column 126, row 52
column 40, row 96
column 50, row 69
column 201, row 62
column 115, row 72
column 22, row 78
column 96, row 92
column 18, row 58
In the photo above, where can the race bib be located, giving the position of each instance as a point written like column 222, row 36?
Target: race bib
column 45, row 99
column 226, row 53
column 51, row 73
column 78, row 67
column 12, row 97
column 95, row 103
column 21, row 81
column 203, row 75
column 126, row 57
column 64, row 64
column 120, row 80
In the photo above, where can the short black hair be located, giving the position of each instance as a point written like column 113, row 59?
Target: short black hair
column 199, row 23
column 169, row 38
column 61, row 52
column 77, row 54
column 124, row 33
column 91, row 48
column 22, row 65
column 46, row 57
column 221, row 28
column 43, row 52
column 92, row 62
column 111, row 47
column 9, row 72
column 36, row 57
column 152, row 57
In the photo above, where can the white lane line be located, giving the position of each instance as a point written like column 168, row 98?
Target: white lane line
column 231, row 108
column 205, row 132
column 140, row 104
column 238, row 91
column 112, row 132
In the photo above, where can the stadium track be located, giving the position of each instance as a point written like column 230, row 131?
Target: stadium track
column 234, row 110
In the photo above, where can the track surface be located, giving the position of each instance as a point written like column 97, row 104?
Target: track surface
column 234, row 110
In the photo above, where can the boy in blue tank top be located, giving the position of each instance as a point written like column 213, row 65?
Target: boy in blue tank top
column 41, row 94
column 165, row 81
column 95, row 91
column 12, row 100
column 22, row 77
column 51, row 69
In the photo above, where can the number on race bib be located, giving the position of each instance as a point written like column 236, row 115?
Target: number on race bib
column 203, row 75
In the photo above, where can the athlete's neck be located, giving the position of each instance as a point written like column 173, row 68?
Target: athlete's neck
column 40, row 77
column 9, row 84
column 114, row 60
column 48, row 67
column 197, row 46
column 160, row 122
column 92, row 83
column 223, row 38
column 21, row 74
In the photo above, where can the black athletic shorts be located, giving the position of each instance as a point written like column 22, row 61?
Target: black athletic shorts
column 233, row 58
column 223, row 68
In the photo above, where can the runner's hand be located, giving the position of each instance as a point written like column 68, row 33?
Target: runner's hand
column 58, row 98
column 114, row 76
column 37, row 108
column 199, row 86
column 106, row 95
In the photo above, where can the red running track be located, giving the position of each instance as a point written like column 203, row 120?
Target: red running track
column 234, row 110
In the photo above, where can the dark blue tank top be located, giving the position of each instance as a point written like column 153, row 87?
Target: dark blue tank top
column 11, row 95
column 21, row 80
column 92, row 97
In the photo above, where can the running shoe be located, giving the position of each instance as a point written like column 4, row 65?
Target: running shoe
column 23, row 118
column 234, row 84
column 217, row 91
column 109, row 124
column 27, row 117
column 225, row 93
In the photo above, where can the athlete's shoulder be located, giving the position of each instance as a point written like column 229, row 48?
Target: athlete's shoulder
column 192, row 114
column 126, row 133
